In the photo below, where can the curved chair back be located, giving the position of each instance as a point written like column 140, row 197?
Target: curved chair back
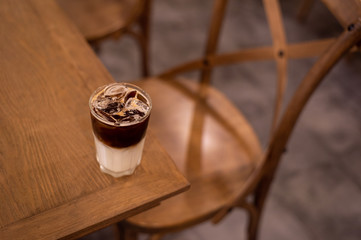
column 258, row 182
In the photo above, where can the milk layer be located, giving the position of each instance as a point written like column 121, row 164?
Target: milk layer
column 118, row 161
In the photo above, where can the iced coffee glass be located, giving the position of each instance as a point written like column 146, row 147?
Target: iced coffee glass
column 119, row 115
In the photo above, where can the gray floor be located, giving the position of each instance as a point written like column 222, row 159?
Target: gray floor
column 317, row 190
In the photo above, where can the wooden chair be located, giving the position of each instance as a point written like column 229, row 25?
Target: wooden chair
column 212, row 142
column 344, row 11
column 98, row 20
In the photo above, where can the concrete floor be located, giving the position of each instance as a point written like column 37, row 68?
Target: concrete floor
column 317, row 191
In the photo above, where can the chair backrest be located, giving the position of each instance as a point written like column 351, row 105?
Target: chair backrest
column 98, row 20
column 329, row 52
column 345, row 11
column 344, row 43
column 280, row 51
column 350, row 37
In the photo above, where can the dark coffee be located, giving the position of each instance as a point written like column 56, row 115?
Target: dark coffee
column 120, row 114
column 119, row 136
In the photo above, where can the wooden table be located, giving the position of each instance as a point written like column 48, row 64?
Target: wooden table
column 50, row 183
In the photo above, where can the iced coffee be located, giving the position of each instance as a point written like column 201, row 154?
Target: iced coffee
column 119, row 115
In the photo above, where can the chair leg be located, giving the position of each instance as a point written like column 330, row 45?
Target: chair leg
column 144, row 56
column 125, row 233
column 155, row 237
column 144, row 23
column 304, row 9
column 255, row 214
column 130, row 235
column 95, row 46
column 253, row 225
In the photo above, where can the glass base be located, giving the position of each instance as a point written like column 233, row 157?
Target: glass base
column 117, row 174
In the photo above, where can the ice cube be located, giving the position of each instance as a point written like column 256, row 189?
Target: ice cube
column 142, row 98
column 136, row 104
column 112, row 107
column 129, row 95
column 115, row 90
column 104, row 115
column 102, row 103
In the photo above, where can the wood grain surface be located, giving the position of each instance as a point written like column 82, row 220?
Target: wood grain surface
column 50, row 182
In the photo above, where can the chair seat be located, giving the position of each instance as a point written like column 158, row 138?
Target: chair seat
column 98, row 18
column 211, row 143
